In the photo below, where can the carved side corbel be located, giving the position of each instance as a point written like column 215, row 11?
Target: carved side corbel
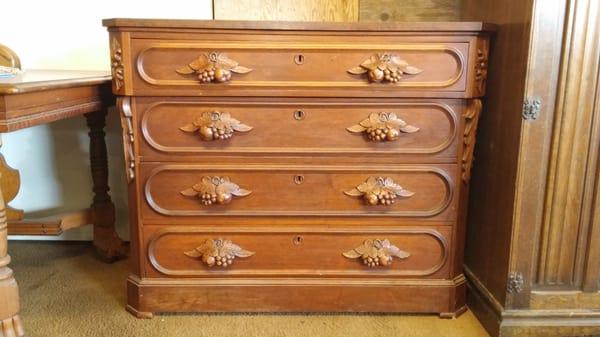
column 471, row 118
column 481, row 66
column 116, row 65
column 128, row 138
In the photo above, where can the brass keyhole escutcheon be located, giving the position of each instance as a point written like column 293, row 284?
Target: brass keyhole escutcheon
column 297, row 240
column 299, row 115
column 298, row 179
column 299, row 59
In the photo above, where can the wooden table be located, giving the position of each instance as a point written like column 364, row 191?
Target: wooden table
column 37, row 97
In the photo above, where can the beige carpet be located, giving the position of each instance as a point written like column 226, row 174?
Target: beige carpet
column 66, row 291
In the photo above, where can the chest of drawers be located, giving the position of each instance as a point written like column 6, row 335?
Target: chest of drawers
column 295, row 166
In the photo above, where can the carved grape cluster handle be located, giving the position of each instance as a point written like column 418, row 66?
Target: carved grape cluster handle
column 378, row 252
column 213, row 67
column 215, row 125
column 379, row 191
column 383, row 126
column 384, row 67
column 215, row 189
column 218, row 252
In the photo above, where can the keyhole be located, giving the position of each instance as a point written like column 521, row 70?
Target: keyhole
column 299, row 59
column 299, row 115
column 297, row 240
column 299, row 179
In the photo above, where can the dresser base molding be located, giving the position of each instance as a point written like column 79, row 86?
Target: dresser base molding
column 443, row 297
column 531, row 323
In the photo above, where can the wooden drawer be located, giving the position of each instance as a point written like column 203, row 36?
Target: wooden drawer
column 176, row 128
column 191, row 190
column 259, row 251
column 330, row 66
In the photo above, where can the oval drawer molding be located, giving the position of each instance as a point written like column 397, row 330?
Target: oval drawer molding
column 379, row 191
column 218, row 252
column 276, row 252
column 215, row 189
column 215, row 125
column 385, row 67
column 378, row 252
column 213, row 67
column 383, row 126
column 324, row 130
column 274, row 192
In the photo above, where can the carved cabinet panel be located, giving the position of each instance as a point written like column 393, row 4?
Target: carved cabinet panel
column 298, row 166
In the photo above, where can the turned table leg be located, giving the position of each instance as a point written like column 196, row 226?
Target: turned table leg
column 10, row 324
column 106, row 240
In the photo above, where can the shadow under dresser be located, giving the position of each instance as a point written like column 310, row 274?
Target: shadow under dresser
column 280, row 166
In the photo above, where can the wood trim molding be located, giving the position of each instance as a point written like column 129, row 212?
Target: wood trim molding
column 397, row 48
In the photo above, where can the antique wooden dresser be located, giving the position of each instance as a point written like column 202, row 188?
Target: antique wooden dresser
column 277, row 166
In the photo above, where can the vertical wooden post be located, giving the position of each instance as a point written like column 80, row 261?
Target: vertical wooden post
column 106, row 240
column 10, row 323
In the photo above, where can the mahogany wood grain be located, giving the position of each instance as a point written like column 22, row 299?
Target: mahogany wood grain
column 285, row 185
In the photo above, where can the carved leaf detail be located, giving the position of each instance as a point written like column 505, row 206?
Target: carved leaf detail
column 241, row 70
column 357, row 70
column 385, row 67
column 471, row 117
column 214, row 189
column 215, row 125
column 379, row 191
column 356, row 128
column 219, row 252
column 213, row 67
column 382, row 126
column 378, row 252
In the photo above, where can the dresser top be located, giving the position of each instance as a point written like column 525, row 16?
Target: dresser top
column 458, row 26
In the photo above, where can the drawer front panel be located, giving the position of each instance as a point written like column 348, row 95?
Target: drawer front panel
column 424, row 192
column 273, row 68
column 184, row 252
column 426, row 130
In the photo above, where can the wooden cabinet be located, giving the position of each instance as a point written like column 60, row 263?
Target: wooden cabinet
column 298, row 167
column 532, row 253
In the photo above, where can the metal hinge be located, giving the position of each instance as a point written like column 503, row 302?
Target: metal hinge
column 515, row 283
column 531, row 108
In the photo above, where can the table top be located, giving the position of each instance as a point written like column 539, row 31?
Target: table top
column 40, row 80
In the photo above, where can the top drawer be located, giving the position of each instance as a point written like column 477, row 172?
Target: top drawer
column 298, row 65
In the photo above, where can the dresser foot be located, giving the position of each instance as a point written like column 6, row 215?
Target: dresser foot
column 455, row 314
column 139, row 314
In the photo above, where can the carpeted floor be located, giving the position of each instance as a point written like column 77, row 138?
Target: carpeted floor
column 66, row 291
